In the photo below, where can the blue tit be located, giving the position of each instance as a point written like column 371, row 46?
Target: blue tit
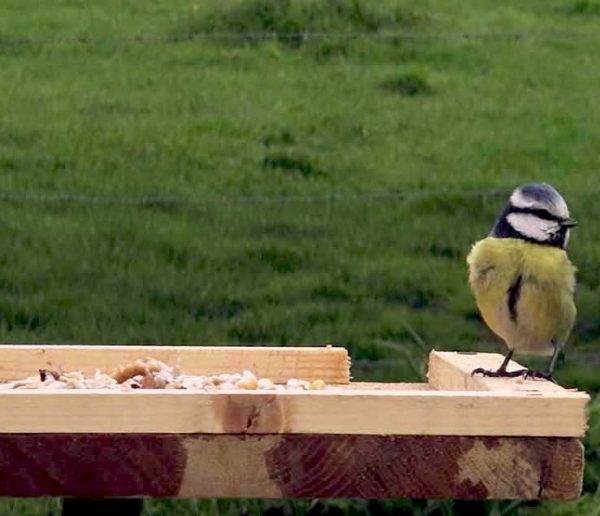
column 522, row 278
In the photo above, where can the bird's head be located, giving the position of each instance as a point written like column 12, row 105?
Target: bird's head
column 535, row 212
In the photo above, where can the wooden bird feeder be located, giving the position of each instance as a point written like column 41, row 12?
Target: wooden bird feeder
column 456, row 436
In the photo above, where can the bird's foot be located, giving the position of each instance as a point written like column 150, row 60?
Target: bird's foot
column 546, row 375
column 500, row 373
column 525, row 373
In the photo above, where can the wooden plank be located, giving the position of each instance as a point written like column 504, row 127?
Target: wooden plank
column 330, row 411
column 282, row 466
column 331, row 364
column 451, row 370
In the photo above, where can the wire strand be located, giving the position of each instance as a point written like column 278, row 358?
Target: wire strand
column 29, row 198
column 183, row 36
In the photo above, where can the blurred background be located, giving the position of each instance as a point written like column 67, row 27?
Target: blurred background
column 290, row 172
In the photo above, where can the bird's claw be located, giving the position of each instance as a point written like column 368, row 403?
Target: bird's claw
column 482, row 371
column 546, row 375
column 500, row 373
column 525, row 373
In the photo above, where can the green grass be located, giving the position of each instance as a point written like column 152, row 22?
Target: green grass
column 292, row 190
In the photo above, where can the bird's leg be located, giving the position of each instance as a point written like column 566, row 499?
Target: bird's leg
column 554, row 359
column 501, row 371
column 505, row 362
column 547, row 374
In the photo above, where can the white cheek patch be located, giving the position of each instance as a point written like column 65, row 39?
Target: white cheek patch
column 532, row 226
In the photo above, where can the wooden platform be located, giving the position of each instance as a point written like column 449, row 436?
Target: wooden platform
column 456, row 436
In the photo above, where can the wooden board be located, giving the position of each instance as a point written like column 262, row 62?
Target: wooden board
column 331, row 364
column 299, row 466
column 451, row 370
column 457, row 436
column 367, row 409
column 331, row 411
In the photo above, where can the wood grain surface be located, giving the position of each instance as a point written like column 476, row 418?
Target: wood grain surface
column 329, row 411
column 299, row 466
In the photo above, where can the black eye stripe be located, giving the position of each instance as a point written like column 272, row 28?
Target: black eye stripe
column 538, row 212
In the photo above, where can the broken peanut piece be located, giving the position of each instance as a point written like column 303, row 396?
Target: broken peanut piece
column 317, row 384
column 139, row 367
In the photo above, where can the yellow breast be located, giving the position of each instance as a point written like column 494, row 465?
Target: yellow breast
column 524, row 292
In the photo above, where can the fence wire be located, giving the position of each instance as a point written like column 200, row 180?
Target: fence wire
column 58, row 199
column 176, row 202
column 185, row 36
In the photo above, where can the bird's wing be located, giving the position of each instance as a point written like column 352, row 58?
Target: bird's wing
column 546, row 306
column 495, row 277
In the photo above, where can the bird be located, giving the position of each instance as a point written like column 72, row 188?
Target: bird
column 523, row 280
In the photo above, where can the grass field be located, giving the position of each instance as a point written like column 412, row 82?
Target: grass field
column 161, row 183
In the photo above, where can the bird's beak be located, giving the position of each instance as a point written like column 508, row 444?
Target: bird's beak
column 568, row 223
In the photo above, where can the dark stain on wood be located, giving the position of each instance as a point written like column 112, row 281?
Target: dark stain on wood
column 425, row 467
column 300, row 466
column 561, row 464
column 249, row 414
column 492, row 443
column 336, row 466
column 89, row 466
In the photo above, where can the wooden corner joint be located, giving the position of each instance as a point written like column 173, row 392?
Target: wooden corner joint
column 452, row 370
